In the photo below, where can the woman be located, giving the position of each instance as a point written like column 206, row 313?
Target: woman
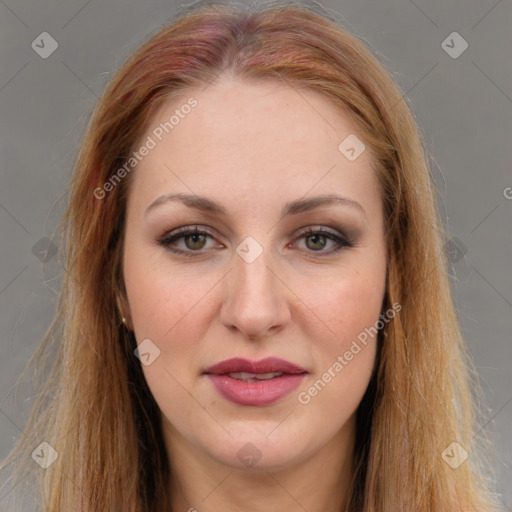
column 256, row 313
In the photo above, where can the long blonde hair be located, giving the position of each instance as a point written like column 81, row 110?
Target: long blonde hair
column 95, row 408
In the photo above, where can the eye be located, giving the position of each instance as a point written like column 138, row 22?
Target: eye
column 317, row 239
column 194, row 240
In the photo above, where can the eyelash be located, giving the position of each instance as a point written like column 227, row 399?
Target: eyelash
column 167, row 239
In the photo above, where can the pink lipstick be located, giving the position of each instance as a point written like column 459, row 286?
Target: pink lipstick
column 255, row 383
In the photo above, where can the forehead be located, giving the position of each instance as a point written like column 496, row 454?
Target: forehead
column 251, row 139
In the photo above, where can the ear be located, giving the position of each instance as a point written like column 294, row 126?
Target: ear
column 124, row 311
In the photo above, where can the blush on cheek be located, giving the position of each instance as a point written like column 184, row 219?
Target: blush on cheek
column 353, row 305
column 160, row 304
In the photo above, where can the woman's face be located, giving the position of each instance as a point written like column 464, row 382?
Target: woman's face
column 257, row 166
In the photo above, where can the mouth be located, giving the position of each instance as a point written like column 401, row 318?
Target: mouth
column 255, row 383
column 253, row 377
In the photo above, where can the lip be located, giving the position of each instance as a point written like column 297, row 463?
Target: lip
column 267, row 365
column 260, row 393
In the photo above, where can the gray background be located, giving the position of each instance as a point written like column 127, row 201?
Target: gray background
column 463, row 106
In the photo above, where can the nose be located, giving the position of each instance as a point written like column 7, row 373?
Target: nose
column 256, row 300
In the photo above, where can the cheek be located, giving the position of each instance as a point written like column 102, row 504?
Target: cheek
column 174, row 308
column 165, row 301
column 170, row 308
column 350, row 308
column 346, row 305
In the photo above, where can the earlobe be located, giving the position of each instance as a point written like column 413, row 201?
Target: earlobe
column 124, row 311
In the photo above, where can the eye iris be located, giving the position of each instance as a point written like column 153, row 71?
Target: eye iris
column 315, row 239
column 196, row 238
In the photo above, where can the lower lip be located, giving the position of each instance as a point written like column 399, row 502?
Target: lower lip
column 263, row 392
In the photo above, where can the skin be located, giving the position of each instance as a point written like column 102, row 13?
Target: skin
column 254, row 146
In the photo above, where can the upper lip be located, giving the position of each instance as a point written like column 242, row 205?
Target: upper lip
column 267, row 365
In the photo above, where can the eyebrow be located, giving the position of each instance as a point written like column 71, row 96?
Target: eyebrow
column 291, row 208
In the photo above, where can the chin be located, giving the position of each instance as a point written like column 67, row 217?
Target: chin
column 258, row 449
